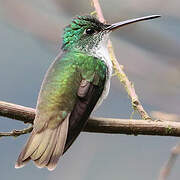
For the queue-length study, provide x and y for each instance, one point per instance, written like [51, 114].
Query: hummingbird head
[88, 33]
[84, 33]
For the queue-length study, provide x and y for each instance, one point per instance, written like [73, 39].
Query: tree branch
[167, 167]
[16, 133]
[149, 128]
[101, 125]
[17, 112]
[119, 71]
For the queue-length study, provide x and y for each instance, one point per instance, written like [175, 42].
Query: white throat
[102, 53]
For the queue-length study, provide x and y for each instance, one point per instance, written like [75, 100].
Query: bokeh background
[30, 38]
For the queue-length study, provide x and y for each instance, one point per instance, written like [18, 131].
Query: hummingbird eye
[90, 31]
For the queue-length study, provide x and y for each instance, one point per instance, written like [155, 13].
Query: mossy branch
[96, 125]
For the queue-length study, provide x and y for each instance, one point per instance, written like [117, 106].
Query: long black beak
[130, 21]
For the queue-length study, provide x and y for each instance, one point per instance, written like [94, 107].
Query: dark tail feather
[44, 148]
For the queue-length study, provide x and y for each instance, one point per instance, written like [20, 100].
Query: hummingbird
[75, 83]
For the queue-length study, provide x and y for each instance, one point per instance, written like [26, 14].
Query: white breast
[102, 53]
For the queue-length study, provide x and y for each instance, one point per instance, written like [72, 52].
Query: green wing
[63, 82]
[70, 90]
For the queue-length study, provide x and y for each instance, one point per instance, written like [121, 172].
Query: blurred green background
[30, 38]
